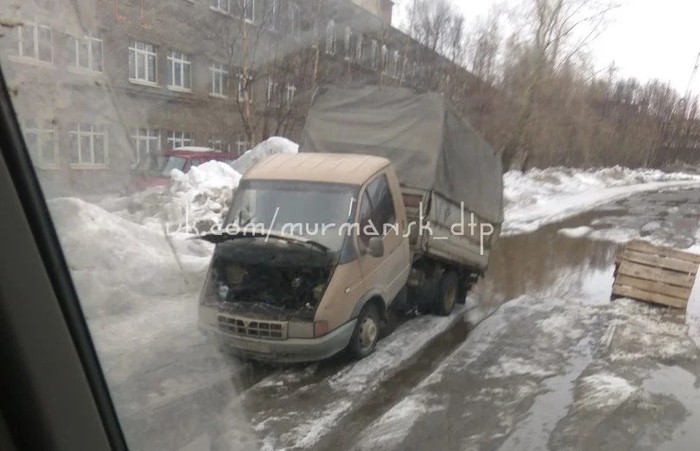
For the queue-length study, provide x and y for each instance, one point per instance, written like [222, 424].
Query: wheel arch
[373, 297]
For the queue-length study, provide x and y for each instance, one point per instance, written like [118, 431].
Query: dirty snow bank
[542, 196]
[115, 262]
[269, 147]
[197, 201]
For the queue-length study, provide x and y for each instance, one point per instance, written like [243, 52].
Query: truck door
[386, 274]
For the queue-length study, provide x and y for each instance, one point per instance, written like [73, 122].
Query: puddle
[533, 432]
[680, 384]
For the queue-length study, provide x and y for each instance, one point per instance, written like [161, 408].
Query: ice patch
[604, 392]
[576, 232]
[619, 235]
[543, 196]
[508, 366]
[397, 423]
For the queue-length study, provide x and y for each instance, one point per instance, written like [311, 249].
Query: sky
[646, 39]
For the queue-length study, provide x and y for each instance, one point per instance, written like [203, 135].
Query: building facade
[100, 83]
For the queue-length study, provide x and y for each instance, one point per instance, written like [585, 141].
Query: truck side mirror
[376, 247]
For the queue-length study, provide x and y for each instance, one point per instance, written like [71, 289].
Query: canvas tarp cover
[430, 146]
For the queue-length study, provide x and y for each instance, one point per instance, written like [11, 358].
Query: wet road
[498, 374]
[562, 367]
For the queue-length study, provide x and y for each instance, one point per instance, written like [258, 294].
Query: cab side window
[365, 217]
[382, 204]
[377, 209]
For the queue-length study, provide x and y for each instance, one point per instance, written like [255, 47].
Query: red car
[154, 169]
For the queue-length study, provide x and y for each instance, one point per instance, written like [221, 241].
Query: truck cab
[311, 256]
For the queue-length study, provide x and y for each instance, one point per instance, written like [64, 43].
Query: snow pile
[538, 184]
[197, 201]
[542, 196]
[200, 198]
[116, 263]
[269, 147]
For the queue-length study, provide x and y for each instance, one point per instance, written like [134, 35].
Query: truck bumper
[291, 350]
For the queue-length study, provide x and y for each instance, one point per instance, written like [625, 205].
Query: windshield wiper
[217, 238]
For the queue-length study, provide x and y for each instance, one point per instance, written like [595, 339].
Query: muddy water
[545, 263]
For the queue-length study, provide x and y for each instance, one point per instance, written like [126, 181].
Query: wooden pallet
[655, 274]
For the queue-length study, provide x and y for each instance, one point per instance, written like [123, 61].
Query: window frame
[134, 52]
[218, 8]
[272, 92]
[218, 71]
[174, 58]
[37, 154]
[36, 48]
[294, 20]
[139, 138]
[243, 144]
[275, 16]
[90, 133]
[290, 93]
[219, 144]
[184, 138]
[242, 87]
[366, 196]
[359, 49]
[89, 39]
[374, 50]
[330, 38]
[244, 15]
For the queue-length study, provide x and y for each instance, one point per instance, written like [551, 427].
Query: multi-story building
[99, 83]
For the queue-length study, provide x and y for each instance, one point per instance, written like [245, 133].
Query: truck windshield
[308, 210]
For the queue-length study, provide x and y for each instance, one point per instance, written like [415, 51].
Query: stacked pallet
[655, 274]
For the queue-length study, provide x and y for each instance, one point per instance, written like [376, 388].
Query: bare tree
[558, 30]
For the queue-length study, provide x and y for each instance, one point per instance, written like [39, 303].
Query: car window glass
[365, 218]
[383, 212]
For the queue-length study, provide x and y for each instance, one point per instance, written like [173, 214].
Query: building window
[396, 64]
[358, 47]
[291, 93]
[222, 6]
[272, 95]
[179, 71]
[42, 144]
[241, 145]
[294, 20]
[385, 59]
[275, 16]
[179, 139]
[35, 41]
[88, 144]
[243, 87]
[146, 140]
[88, 53]
[347, 41]
[142, 62]
[373, 54]
[249, 10]
[219, 80]
[219, 144]
[330, 37]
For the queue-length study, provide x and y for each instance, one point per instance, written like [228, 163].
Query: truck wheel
[447, 294]
[364, 338]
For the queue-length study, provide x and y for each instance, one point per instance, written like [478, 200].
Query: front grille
[274, 330]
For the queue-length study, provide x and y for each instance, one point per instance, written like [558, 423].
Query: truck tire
[364, 338]
[447, 294]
